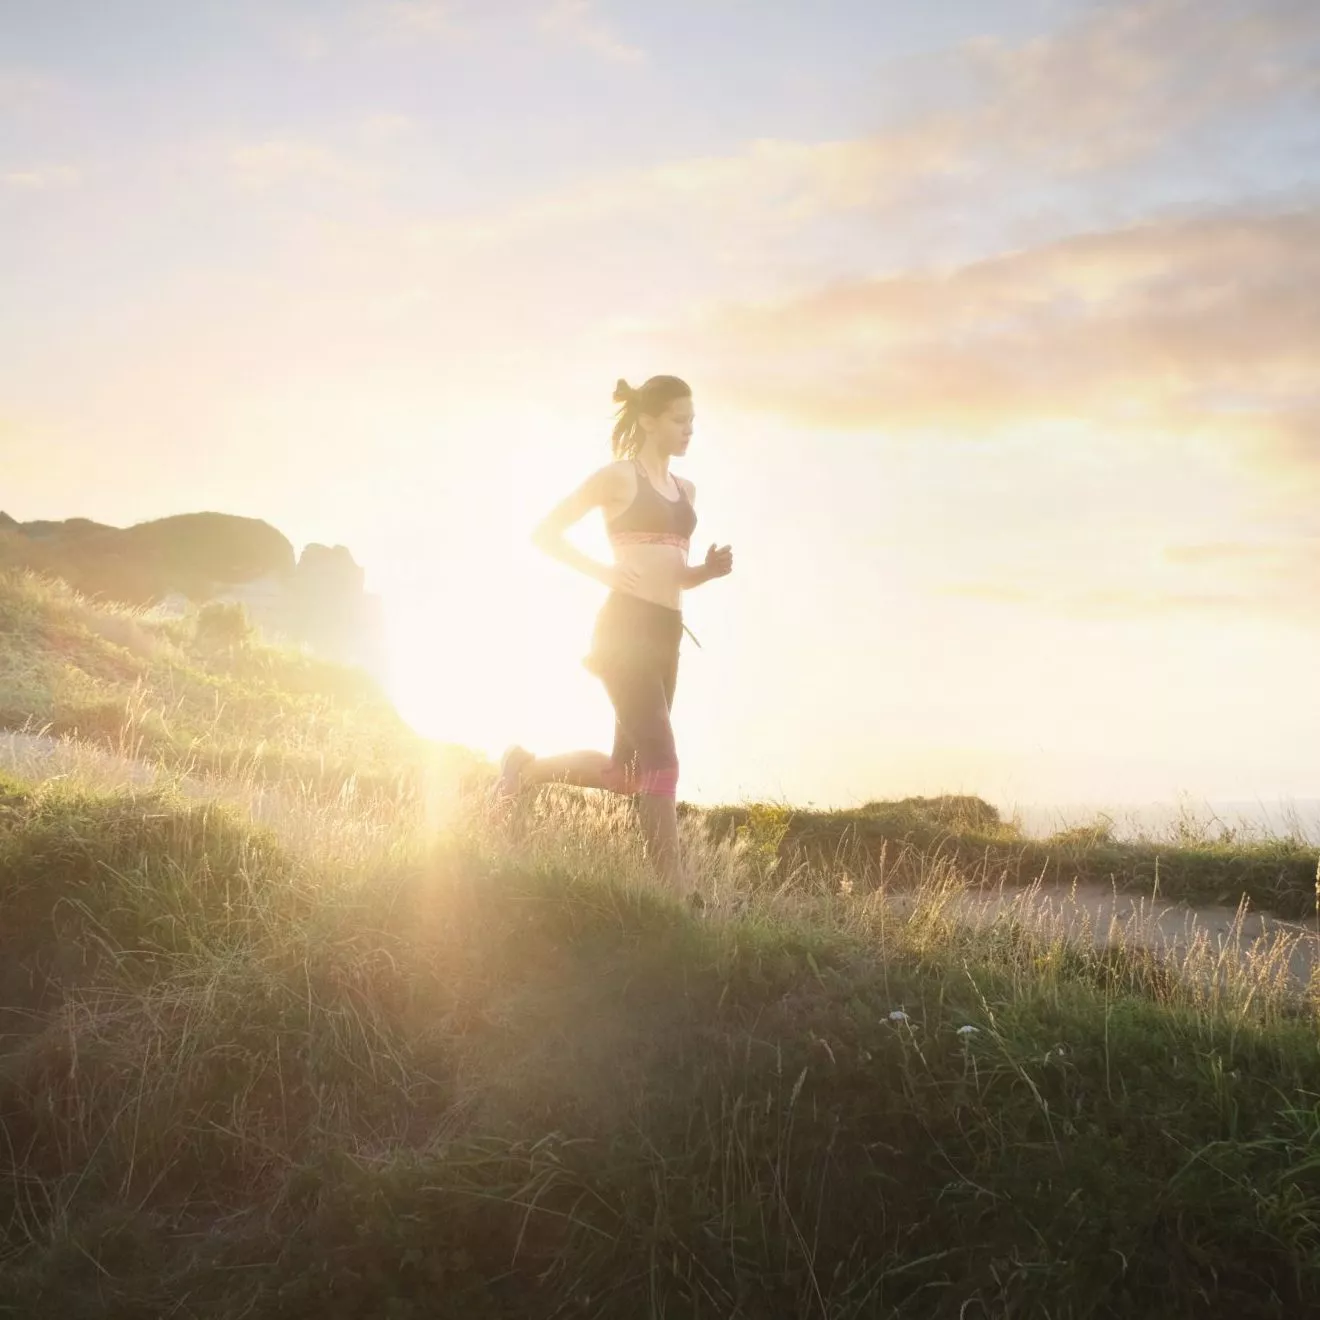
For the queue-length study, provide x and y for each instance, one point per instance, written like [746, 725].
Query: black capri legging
[634, 652]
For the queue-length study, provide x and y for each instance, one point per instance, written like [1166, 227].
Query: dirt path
[1202, 936]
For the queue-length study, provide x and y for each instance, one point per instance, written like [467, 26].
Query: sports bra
[651, 519]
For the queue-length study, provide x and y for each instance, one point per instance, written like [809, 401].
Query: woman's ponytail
[652, 399]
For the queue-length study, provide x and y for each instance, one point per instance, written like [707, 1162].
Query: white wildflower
[899, 1016]
[968, 1030]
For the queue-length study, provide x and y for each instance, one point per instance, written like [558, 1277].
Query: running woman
[650, 515]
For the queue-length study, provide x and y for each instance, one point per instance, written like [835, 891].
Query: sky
[1001, 319]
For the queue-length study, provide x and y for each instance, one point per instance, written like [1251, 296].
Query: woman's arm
[719, 559]
[718, 563]
[601, 489]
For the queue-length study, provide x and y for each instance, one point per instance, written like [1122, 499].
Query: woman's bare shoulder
[613, 479]
[611, 488]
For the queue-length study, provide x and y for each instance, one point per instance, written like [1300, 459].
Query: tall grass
[276, 1044]
[485, 1069]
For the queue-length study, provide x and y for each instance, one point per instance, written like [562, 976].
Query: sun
[486, 636]
[485, 677]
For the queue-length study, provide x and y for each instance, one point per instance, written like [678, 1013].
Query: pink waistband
[649, 538]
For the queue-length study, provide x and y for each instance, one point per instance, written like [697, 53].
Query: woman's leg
[615, 773]
[660, 830]
[659, 810]
[586, 769]
[641, 696]
[581, 769]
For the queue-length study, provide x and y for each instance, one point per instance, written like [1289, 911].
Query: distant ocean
[1263, 818]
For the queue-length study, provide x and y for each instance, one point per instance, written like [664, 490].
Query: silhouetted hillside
[194, 554]
[188, 559]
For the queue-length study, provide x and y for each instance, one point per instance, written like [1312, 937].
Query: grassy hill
[197, 694]
[293, 1025]
[897, 839]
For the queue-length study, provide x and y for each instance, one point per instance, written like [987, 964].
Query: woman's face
[671, 432]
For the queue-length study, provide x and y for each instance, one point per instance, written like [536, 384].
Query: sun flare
[486, 636]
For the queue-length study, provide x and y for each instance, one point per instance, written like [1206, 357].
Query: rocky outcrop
[67, 529]
[321, 603]
[172, 564]
[194, 554]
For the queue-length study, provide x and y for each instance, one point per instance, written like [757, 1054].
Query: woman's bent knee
[620, 778]
[659, 781]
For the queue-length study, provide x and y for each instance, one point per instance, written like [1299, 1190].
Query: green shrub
[223, 625]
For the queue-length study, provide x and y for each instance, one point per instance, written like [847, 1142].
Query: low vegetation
[313, 1032]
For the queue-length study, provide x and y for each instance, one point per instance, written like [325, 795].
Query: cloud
[1274, 578]
[1220, 553]
[1208, 321]
[1124, 79]
[1112, 88]
[1117, 84]
[1114, 602]
[262, 165]
[1289, 565]
[22, 91]
[576, 20]
[384, 127]
[772, 188]
[1142, 387]
[1284, 440]
[428, 18]
[1115, 81]
[40, 178]
[400, 302]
